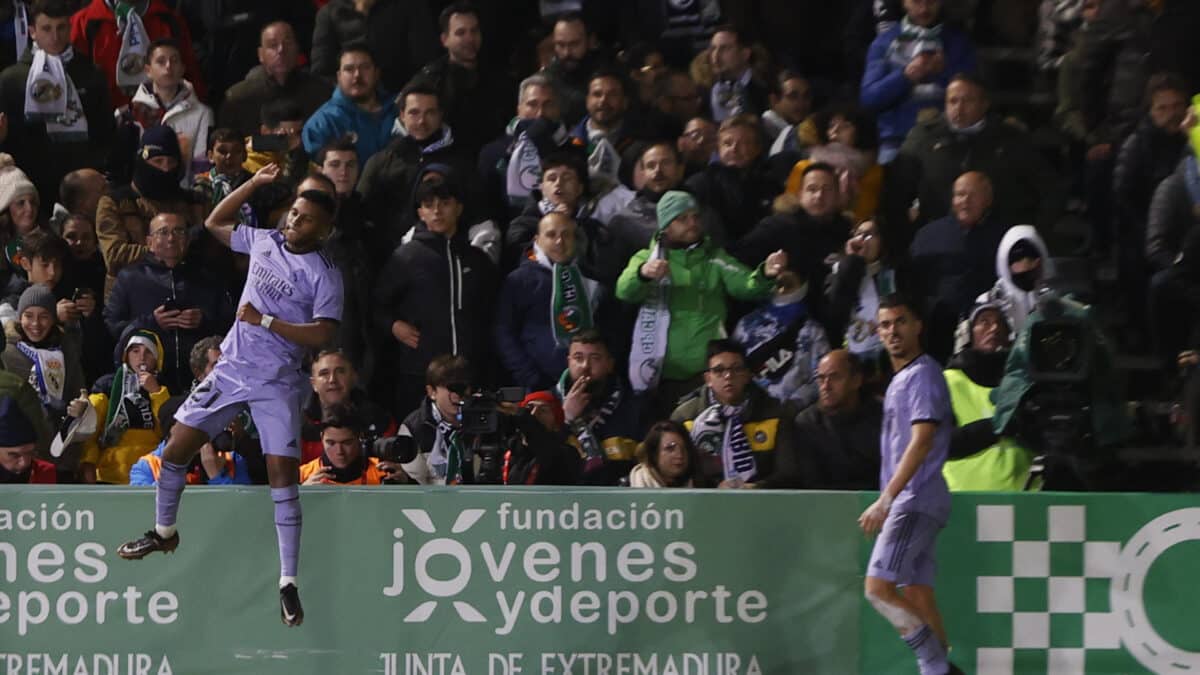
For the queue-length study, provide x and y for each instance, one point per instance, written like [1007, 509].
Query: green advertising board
[585, 582]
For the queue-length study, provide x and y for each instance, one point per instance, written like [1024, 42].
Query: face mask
[155, 184]
[1027, 280]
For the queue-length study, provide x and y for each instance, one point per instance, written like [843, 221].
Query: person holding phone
[169, 295]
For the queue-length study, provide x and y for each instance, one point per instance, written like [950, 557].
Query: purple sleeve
[928, 400]
[328, 295]
[242, 239]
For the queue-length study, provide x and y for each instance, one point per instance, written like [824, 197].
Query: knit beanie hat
[15, 427]
[159, 141]
[13, 182]
[674, 203]
[37, 295]
[144, 338]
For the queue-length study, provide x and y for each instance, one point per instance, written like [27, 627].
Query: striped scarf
[721, 430]
[912, 41]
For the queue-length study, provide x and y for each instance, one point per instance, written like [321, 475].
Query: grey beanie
[38, 295]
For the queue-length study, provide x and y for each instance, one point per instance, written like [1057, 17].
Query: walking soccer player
[292, 303]
[914, 502]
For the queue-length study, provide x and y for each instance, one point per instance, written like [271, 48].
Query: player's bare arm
[313, 335]
[225, 216]
[915, 452]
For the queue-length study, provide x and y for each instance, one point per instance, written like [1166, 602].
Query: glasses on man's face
[727, 371]
[168, 232]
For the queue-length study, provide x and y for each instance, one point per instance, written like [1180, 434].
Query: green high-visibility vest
[1002, 467]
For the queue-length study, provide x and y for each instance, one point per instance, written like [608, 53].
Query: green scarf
[128, 407]
[570, 303]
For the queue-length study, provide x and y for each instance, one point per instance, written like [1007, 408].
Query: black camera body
[485, 432]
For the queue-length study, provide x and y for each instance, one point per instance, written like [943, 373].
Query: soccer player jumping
[292, 303]
[915, 502]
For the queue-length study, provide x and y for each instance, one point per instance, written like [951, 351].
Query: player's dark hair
[724, 346]
[898, 300]
[322, 199]
[198, 357]
[457, 8]
[447, 369]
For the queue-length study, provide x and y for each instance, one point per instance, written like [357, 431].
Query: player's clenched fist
[249, 314]
[871, 520]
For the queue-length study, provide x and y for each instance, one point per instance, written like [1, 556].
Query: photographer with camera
[538, 452]
[429, 444]
[604, 416]
[335, 382]
[344, 460]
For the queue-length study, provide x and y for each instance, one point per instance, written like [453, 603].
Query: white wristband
[266, 321]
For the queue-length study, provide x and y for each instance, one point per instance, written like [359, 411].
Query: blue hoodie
[887, 93]
[339, 115]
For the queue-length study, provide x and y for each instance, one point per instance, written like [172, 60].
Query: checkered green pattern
[1043, 590]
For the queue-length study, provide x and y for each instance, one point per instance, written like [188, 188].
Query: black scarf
[351, 474]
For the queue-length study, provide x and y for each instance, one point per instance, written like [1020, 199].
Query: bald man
[277, 76]
[542, 303]
[955, 259]
[837, 438]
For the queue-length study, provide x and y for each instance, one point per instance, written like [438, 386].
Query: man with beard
[603, 415]
[605, 133]
[358, 106]
[987, 462]
[573, 65]
[735, 90]
[634, 226]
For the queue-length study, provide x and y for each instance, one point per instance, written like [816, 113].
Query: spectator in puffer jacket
[358, 106]
[909, 67]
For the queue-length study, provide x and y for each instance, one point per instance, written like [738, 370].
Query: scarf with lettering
[128, 407]
[570, 299]
[51, 97]
[914, 40]
[48, 375]
[524, 171]
[721, 430]
[20, 28]
[131, 60]
[446, 458]
[586, 427]
[604, 161]
[650, 331]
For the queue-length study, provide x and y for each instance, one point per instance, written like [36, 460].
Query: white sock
[165, 531]
[284, 581]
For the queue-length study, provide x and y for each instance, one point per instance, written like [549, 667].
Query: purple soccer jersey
[298, 288]
[918, 393]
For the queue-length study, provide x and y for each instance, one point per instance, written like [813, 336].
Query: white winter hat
[13, 182]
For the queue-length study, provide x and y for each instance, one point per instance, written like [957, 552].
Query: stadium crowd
[669, 223]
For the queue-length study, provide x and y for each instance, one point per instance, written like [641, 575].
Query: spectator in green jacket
[682, 281]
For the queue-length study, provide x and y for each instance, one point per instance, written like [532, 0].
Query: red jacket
[94, 32]
[44, 473]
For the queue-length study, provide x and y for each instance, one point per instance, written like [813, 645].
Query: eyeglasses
[727, 371]
[168, 232]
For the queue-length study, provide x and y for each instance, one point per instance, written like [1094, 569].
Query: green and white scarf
[650, 331]
[131, 60]
[446, 458]
[914, 40]
[128, 407]
[571, 298]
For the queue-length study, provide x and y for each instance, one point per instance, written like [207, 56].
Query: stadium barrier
[590, 582]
